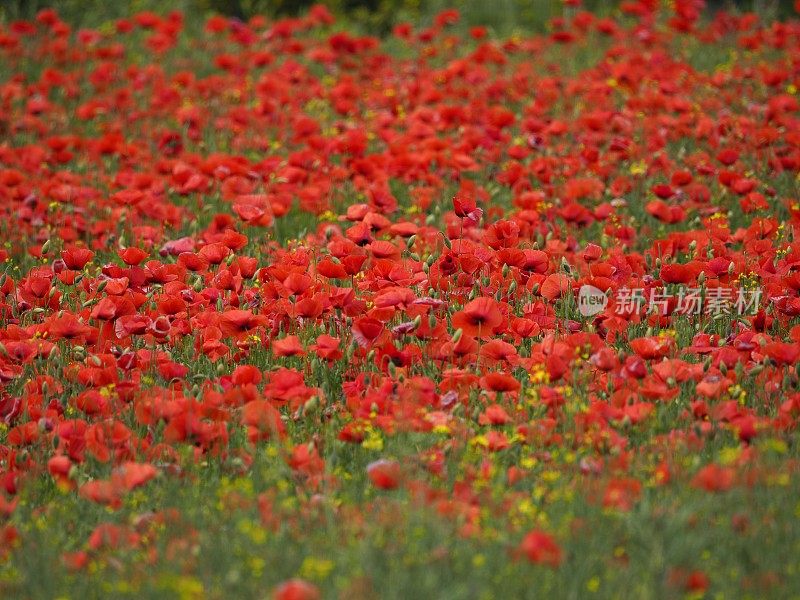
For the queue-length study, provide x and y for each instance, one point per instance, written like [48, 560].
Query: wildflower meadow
[293, 310]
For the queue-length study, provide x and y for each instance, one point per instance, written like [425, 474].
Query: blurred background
[370, 16]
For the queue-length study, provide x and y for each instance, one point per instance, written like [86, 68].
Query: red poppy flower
[384, 474]
[296, 589]
[481, 316]
[541, 548]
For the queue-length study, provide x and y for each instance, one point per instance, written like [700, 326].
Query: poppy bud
[658, 263]
[701, 279]
[723, 368]
[706, 364]
[102, 285]
[3, 350]
[95, 360]
[447, 242]
[51, 293]
[692, 246]
[426, 268]
[457, 335]
[512, 287]
[497, 295]
[410, 242]
[730, 269]
[310, 405]
[45, 247]
[505, 269]
[414, 256]
[417, 321]
[431, 320]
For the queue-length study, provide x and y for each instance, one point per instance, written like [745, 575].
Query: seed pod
[310, 405]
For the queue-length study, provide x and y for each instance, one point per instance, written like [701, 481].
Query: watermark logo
[715, 301]
[591, 300]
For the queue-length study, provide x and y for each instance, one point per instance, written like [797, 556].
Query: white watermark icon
[591, 300]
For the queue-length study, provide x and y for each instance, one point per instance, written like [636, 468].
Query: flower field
[291, 312]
